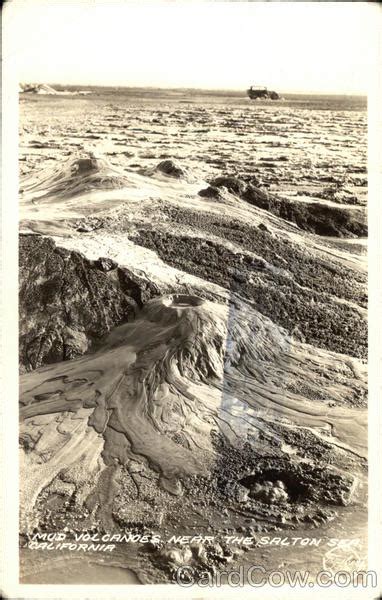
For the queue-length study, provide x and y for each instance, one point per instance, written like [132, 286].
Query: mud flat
[192, 337]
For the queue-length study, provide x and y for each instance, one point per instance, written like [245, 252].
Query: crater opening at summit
[183, 301]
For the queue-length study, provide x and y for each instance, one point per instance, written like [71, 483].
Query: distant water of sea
[312, 101]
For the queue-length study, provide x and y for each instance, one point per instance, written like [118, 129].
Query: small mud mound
[198, 340]
[75, 176]
[232, 184]
[209, 192]
[85, 166]
[170, 168]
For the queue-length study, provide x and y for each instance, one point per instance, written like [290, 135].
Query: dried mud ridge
[315, 217]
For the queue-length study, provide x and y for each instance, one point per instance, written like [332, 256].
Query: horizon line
[202, 89]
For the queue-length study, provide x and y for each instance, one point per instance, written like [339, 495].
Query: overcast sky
[297, 46]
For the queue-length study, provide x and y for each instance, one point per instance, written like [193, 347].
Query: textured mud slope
[316, 217]
[308, 316]
[164, 398]
[207, 374]
[310, 291]
[314, 270]
[67, 301]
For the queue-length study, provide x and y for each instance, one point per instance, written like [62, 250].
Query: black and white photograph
[192, 281]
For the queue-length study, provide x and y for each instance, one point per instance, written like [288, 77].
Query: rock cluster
[67, 301]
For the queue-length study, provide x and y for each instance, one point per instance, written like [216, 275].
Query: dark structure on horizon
[259, 92]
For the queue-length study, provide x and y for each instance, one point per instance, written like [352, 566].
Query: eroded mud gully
[192, 363]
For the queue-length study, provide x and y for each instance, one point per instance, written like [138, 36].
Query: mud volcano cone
[141, 396]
